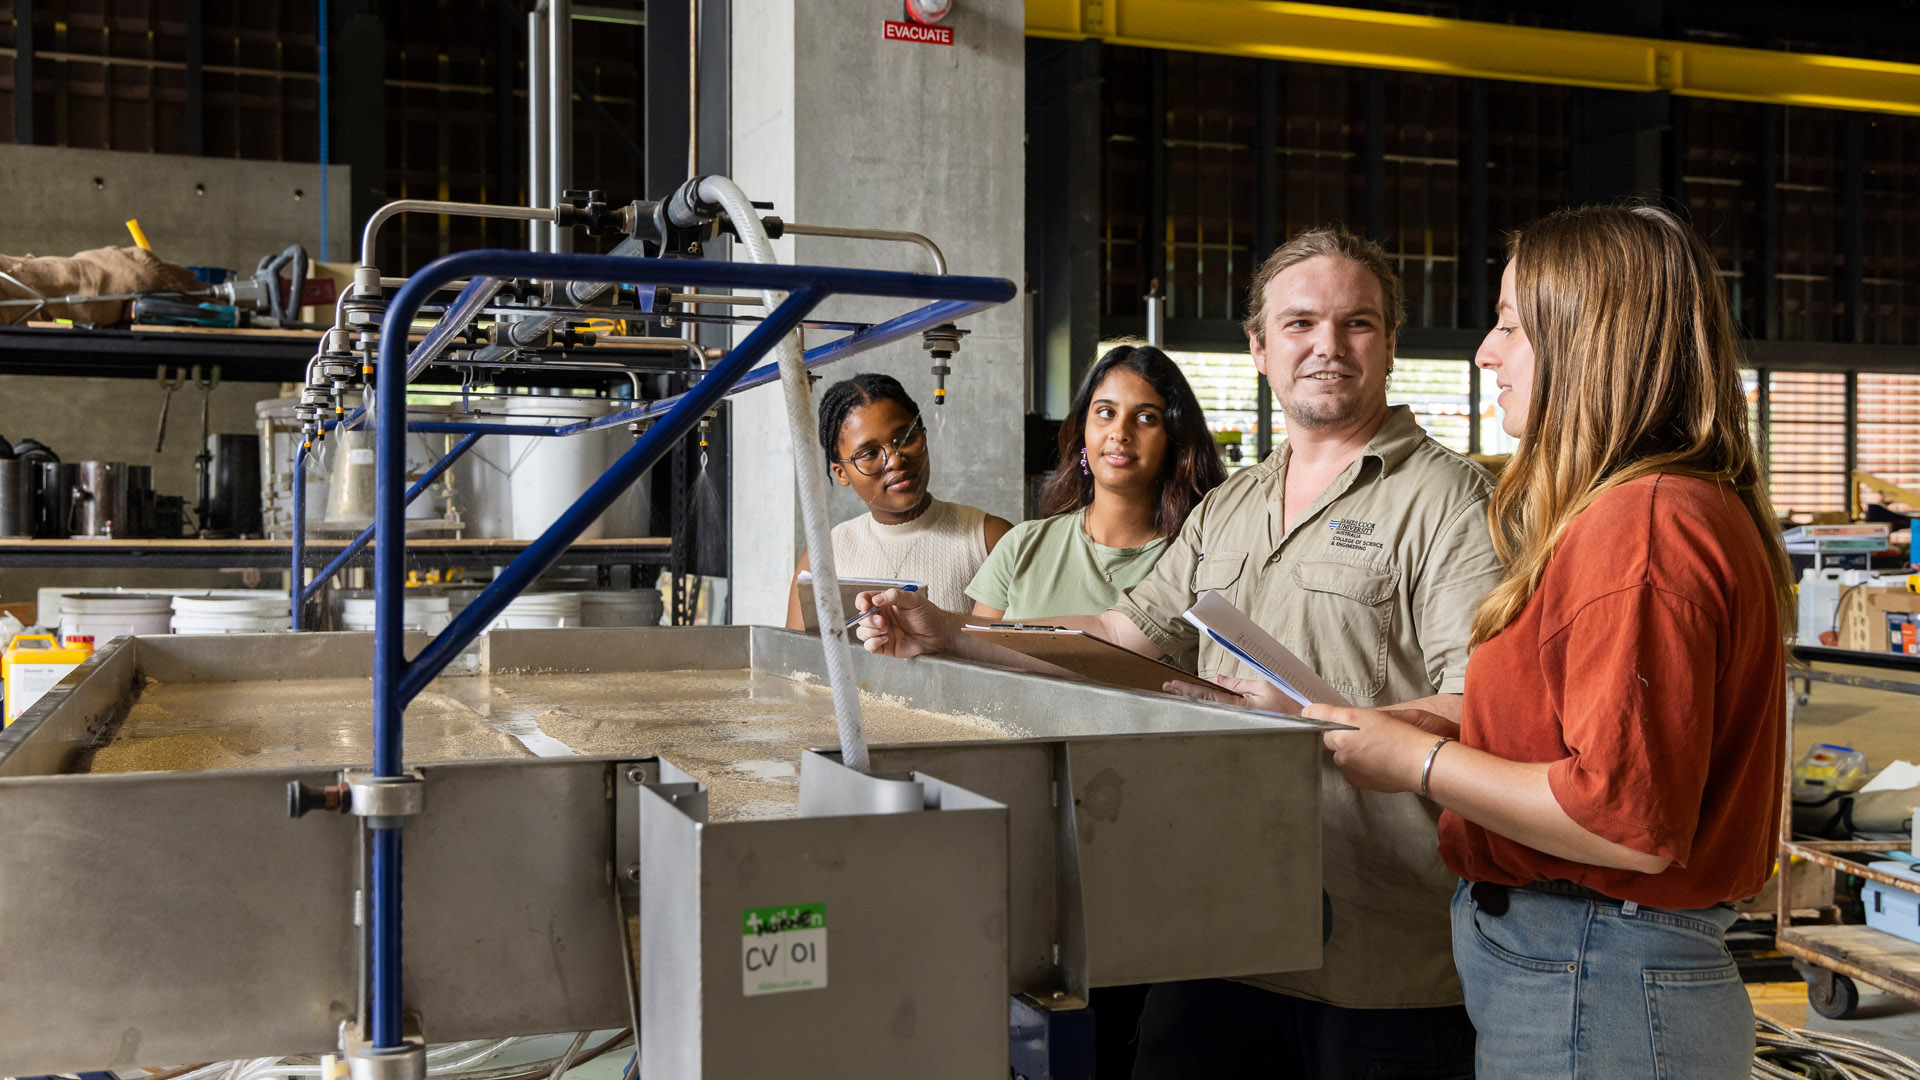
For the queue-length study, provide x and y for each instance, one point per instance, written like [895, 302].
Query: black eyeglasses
[873, 460]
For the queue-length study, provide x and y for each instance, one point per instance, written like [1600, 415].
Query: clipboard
[850, 590]
[1086, 655]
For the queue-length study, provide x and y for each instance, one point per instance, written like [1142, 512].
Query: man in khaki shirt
[1362, 546]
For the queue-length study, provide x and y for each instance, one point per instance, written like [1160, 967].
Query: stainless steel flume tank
[1148, 838]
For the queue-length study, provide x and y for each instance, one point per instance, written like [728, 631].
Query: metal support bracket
[1050, 1039]
[385, 800]
[408, 1061]
[624, 861]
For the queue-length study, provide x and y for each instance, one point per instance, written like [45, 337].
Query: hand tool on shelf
[170, 379]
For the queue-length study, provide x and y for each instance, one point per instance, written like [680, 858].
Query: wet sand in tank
[738, 732]
[303, 722]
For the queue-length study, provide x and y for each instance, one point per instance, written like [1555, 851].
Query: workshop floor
[1886, 727]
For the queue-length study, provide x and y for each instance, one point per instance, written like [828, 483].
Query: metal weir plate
[867, 937]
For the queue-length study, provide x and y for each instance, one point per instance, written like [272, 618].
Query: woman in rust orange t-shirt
[1620, 745]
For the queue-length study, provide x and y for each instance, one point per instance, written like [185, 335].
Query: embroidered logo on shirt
[1349, 533]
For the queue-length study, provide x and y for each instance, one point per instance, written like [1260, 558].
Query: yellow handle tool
[139, 235]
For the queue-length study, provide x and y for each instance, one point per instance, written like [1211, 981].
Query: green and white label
[783, 948]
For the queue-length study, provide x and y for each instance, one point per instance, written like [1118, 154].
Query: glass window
[1227, 386]
[1888, 431]
[1807, 440]
[1437, 392]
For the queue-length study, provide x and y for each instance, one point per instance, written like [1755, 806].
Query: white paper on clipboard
[1215, 616]
[850, 590]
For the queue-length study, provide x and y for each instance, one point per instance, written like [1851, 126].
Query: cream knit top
[943, 547]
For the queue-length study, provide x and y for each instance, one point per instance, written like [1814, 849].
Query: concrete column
[839, 126]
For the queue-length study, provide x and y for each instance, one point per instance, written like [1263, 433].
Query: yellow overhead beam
[1323, 34]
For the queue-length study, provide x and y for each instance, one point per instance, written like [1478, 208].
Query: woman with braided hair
[875, 442]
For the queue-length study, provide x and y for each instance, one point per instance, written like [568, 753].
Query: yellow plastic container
[31, 665]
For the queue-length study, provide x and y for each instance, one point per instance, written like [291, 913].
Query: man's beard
[1323, 411]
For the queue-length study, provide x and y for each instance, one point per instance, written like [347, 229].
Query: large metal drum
[16, 498]
[99, 508]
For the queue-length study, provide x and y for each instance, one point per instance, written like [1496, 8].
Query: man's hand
[1251, 693]
[1385, 751]
[902, 624]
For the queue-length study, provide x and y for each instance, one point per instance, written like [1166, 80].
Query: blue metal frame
[396, 681]
[862, 338]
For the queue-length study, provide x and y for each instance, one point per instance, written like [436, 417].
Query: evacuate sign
[913, 31]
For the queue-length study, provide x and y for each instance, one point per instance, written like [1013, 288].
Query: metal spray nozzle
[941, 343]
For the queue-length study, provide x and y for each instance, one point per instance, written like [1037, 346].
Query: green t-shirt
[1051, 567]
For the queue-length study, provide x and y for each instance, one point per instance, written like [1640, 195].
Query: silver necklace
[1101, 564]
[899, 564]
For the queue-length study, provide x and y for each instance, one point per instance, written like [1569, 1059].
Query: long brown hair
[1192, 466]
[1636, 371]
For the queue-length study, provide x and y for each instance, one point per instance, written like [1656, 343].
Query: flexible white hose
[435, 1053]
[468, 1062]
[811, 474]
[261, 1068]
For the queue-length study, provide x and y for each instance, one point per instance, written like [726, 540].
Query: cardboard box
[1864, 611]
[1812, 888]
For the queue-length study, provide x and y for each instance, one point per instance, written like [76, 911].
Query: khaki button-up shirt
[1374, 587]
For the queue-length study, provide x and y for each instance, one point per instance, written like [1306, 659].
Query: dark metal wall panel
[428, 99]
[1890, 244]
[1809, 220]
[1384, 154]
[1068, 262]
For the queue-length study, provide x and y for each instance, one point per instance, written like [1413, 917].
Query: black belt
[1493, 898]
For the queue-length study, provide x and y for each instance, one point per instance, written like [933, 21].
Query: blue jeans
[1573, 989]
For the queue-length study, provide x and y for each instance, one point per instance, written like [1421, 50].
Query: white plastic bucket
[230, 614]
[620, 607]
[459, 596]
[539, 611]
[228, 624]
[261, 604]
[427, 614]
[101, 616]
[515, 486]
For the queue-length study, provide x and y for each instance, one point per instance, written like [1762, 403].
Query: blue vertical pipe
[389, 520]
[366, 535]
[383, 935]
[325, 152]
[299, 527]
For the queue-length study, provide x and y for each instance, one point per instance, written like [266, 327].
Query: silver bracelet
[1426, 771]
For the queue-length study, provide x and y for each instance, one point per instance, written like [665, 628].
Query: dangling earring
[1083, 462]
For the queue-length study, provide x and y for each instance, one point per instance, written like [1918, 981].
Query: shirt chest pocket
[1346, 610]
[1219, 571]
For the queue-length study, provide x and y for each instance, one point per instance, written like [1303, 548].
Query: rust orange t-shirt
[1648, 669]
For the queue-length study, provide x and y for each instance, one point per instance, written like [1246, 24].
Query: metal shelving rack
[1834, 958]
[434, 553]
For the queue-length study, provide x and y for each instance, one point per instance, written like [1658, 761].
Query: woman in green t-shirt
[1135, 458]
